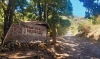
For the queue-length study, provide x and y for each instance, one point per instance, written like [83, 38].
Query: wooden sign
[26, 33]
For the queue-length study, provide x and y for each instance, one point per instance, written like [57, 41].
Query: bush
[83, 29]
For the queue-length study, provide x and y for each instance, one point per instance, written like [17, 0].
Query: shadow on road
[80, 48]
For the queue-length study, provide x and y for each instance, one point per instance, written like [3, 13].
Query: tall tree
[8, 14]
[9, 7]
[56, 9]
[39, 7]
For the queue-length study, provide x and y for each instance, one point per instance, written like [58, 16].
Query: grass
[93, 27]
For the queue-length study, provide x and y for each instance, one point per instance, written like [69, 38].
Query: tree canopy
[9, 7]
[49, 11]
[92, 7]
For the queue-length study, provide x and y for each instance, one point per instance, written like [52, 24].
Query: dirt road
[80, 48]
[71, 47]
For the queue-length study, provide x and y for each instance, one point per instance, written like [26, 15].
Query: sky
[78, 9]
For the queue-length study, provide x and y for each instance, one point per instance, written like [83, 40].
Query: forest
[59, 17]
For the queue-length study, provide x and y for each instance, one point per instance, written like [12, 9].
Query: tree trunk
[45, 12]
[40, 11]
[54, 33]
[8, 16]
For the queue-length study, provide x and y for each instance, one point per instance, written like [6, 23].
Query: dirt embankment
[94, 34]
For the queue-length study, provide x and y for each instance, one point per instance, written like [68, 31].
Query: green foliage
[74, 29]
[95, 20]
[61, 24]
[30, 11]
[57, 9]
[83, 29]
[1, 26]
[63, 27]
[1, 20]
[80, 27]
[61, 31]
[92, 6]
[65, 23]
[18, 17]
[20, 5]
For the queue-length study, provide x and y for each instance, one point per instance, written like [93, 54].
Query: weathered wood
[26, 32]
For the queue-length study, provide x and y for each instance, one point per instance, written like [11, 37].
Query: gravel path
[80, 48]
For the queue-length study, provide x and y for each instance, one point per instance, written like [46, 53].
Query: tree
[92, 6]
[50, 11]
[1, 20]
[31, 11]
[9, 7]
[41, 9]
[8, 14]
[39, 6]
[62, 28]
[56, 9]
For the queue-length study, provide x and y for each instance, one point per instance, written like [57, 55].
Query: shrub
[83, 29]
